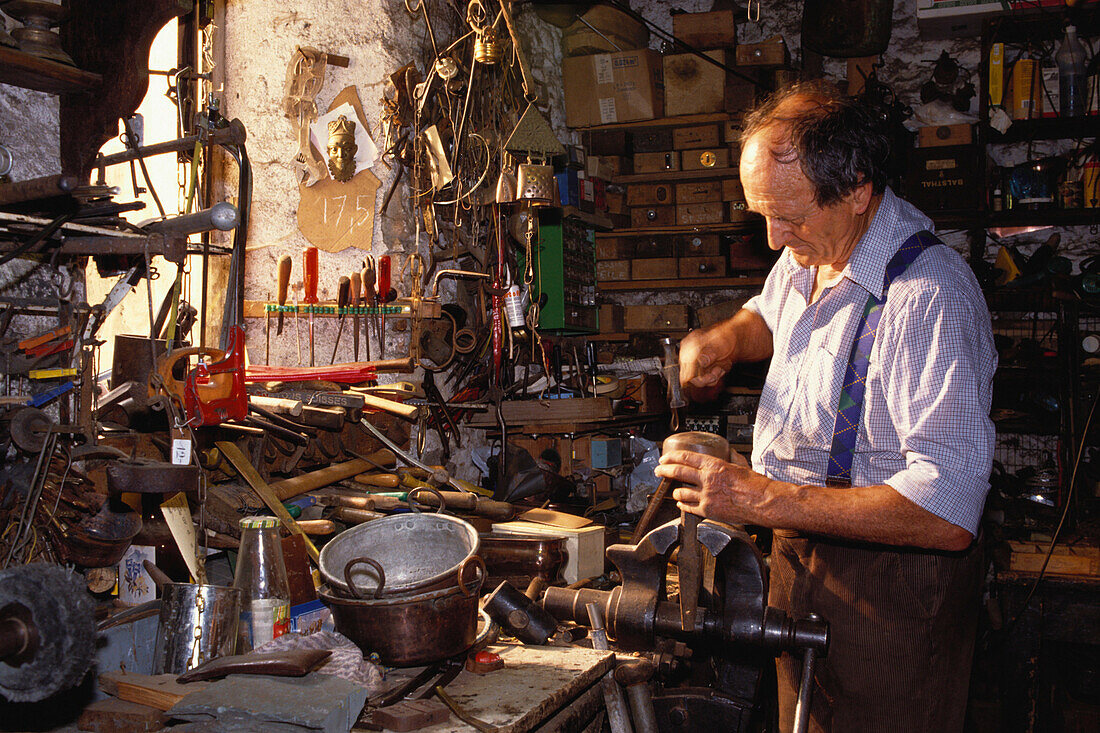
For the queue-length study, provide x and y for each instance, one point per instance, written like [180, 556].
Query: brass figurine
[341, 148]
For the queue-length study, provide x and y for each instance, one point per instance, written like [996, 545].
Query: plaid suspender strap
[850, 409]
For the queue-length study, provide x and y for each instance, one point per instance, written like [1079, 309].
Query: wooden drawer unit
[712, 212]
[705, 159]
[739, 212]
[698, 192]
[714, 29]
[656, 318]
[655, 246]
[653, 141]
[657, 268]
[771, 52]
[731, 131]
[668, 160]
[703, 136]
[700, 245]
[732, 189]
[713, 266]
[653, 216]
[606, 142]
[649, 194]
[612, 270]
[614, 248]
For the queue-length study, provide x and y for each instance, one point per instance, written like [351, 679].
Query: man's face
[341, 157]
[785, 197]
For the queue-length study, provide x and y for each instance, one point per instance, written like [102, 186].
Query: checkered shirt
[925, 429]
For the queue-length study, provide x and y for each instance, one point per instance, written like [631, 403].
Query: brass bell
[535, 182]
[487, 48]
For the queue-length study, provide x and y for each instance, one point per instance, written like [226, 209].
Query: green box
[565, 270]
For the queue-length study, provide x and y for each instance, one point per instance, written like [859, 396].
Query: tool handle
[356, 286]
[368, 282]
[283, 275]
[383, 278]
[343, 291]
[309, 275]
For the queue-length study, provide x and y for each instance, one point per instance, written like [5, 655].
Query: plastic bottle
[1072, 90]
[261, 575]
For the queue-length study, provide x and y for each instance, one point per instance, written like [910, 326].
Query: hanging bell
[506, 187]
[487, 48]
[446, 68]
[535, 182]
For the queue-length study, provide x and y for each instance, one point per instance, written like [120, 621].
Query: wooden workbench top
[536, 681]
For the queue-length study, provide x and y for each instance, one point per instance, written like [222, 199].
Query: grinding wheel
[29, 427]
[50, 605]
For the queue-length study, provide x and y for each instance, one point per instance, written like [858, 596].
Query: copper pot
[519, 559]
[409, 631]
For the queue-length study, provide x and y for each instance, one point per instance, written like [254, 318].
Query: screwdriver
[382, 294]
[353, 300]
[343, 295]
[267, 331]
[309, 282]
[283, 279]
[368, 298]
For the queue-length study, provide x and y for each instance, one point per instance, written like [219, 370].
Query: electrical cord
[1061, 520]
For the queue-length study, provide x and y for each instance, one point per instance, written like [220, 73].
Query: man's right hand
[705, 357]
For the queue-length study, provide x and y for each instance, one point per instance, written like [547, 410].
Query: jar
[261, 576]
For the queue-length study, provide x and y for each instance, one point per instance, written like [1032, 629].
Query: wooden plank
[119, 716]
[578, 409]
[690, 229]
[32, 72]
[697, 283]
[159, 691]
[535, 683]
[693, 175]
[665, 121]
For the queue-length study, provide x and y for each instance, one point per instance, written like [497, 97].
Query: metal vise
[733, 612]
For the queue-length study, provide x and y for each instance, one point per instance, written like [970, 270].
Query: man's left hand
[717, 489]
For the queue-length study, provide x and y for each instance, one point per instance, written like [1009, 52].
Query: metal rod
[618, 716]
[805, 692]
[232, 135]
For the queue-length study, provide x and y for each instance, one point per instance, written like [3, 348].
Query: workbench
[541, 688]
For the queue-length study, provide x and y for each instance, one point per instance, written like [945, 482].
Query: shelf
[31, 72]
[627, 335]
[1047, 128]
[1015, 218]
[697, 283]
[676, 176]
[597, 221]
[664, 122]
[684, 229]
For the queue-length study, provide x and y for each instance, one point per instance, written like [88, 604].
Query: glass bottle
[261, 575]
[1072, 90]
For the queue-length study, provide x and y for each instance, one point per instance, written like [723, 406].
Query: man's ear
[860, 197]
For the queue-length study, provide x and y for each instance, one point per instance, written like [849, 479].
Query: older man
[873, 446]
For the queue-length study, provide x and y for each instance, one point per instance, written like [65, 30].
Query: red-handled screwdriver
[382, 296]
[309, 283]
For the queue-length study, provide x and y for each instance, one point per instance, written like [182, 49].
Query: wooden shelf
[665, 122]
[676, 175]
[1015, 218]
[627, 335]
[31, 72]
[696, 283]
[728, 226]
[597, 221]
[1048, 128]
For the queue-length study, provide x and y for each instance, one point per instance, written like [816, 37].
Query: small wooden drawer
[658, 268]
[732, 190]
[612, 270]
[705, 159]
[700, 245]
[650, 247]
[703, 136]
[668, 160]
[698, 192]
[714, 266]
[656, 318]
[614, 248]
[652, 141]
[653, 216]
[712, 212]
[649, 194]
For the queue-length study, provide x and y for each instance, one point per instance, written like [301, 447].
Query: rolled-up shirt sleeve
[938, 362]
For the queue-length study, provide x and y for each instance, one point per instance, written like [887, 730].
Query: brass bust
[341, 148]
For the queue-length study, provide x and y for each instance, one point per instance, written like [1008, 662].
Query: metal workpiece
[519, 615]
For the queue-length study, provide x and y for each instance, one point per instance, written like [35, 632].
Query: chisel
[367, 275]
[309, 283]
[343, 296]
[353, 301]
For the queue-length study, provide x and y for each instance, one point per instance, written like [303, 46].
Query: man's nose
[777, 235]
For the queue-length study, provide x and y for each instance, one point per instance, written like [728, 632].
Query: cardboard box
[700, 136]
[944, 179]
[770, 52]
[713, 266]
[705, 159]
[649, 194]
[716, 29]
[612, 87]
[583, 546]
[656, 162]
[663, 318]
[694, 86]
[698, 192]
[939, 135]
[655, 268]
[653, 216]
[710, 212]
[612, 271]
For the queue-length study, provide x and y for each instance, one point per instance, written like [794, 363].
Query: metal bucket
[410, 630]
[418, 552]
[197, 623]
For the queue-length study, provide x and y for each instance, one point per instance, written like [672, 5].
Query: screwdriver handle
[309, 275]
[383, 278]
[368, 281]
[283, 275]
[343, 291]
[356, 285]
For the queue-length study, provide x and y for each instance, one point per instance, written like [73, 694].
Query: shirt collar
[867, 265]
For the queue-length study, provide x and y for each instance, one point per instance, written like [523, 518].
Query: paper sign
[181, 451]
[178, 517]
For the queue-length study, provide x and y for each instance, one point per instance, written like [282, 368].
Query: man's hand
[718, 489]
[705, 357]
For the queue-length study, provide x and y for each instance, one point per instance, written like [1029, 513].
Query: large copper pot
[409, 630]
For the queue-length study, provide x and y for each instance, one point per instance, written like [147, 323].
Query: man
[884, 550]
[341, 148]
